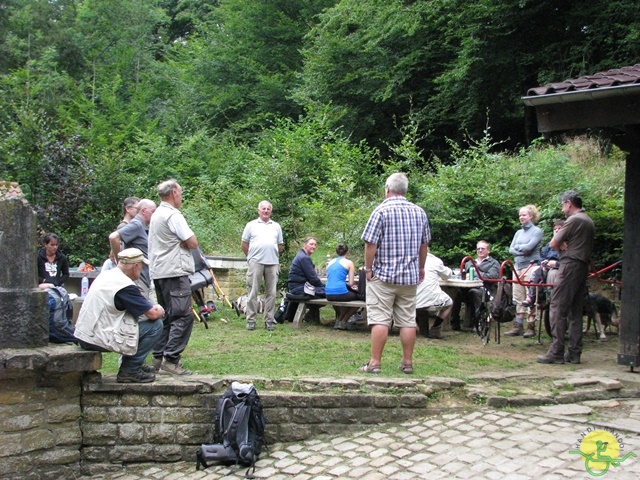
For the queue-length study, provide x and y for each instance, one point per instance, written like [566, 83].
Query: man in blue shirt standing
[396, 240]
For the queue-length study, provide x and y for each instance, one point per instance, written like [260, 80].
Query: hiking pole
[216, 285]
[219, 290]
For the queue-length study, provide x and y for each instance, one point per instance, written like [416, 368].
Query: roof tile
[611, 78]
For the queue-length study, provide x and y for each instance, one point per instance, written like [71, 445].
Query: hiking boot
[137, 377]
[270, 326]
[455, 325]
[575, 359]
[157, 363]
[529, 302]
[531, 330]
[435, 333]
[516, 331]
[148, 369]
[340, 326]
[550, 358]
[251, 325]
[175, 368]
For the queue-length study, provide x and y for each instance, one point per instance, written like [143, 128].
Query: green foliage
[309, 104]
[479, 196]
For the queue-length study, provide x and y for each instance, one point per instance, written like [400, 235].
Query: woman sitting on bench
[341, 286]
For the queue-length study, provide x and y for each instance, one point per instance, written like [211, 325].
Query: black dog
[602, 311]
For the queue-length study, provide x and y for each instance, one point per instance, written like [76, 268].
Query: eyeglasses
[481, 248]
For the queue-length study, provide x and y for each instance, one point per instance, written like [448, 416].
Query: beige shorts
[389, 304]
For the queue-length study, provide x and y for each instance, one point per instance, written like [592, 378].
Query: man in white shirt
[262, 243]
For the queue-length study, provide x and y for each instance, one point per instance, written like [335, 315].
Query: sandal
[408, 369]
[366, 368]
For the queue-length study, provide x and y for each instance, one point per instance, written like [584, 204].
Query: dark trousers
[472, 298]
[567, 301]
[174, 294]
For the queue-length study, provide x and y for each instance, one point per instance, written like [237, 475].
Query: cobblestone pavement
[527, 443]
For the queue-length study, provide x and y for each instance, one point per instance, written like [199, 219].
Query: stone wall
[59, 418]
[40, 411]
[167, 420]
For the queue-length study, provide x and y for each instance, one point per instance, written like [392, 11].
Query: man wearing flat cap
[108, 319]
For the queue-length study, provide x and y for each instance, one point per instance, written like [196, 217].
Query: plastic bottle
[84, 287]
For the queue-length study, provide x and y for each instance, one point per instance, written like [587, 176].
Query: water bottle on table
[84, 287]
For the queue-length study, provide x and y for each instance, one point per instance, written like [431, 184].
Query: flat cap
[132, 255]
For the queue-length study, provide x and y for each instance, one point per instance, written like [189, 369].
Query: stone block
[24, 317]
[160, 433]
[100, 434]
[63, 413]
[94, 454]
[11, 467]
[38, 439]
[134, 400]
[121, 414]
[148, 414]
[10, 444]
[194, 433]
[168, 453]
[131, 433]
[413, 401]
[100, 400]
[95, 414]
[8, 397]
[68, 434]
[16, 423]
[292, 432]
[165, 400]
[176, 415]
[131, 453]
[58, 456]
[277, 415]
[385, 401]
[326, 401]
[201, 415]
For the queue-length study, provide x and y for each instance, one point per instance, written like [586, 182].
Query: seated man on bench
[488, 268]
[304, 282]
[430, 297]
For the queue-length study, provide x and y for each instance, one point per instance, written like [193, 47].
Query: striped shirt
[398, 228]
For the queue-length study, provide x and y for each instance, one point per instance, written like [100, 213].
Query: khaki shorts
[389, 304]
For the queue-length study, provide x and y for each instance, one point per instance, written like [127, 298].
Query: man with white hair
[108, 318]
[396, 240]
[171, 262]
[262, 243]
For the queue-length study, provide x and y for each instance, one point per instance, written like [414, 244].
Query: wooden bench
[322, 302]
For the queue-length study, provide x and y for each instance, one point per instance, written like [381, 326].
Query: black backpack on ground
[502, 308]
[238, 435]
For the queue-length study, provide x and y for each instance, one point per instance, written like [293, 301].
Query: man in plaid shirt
[396, 240]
